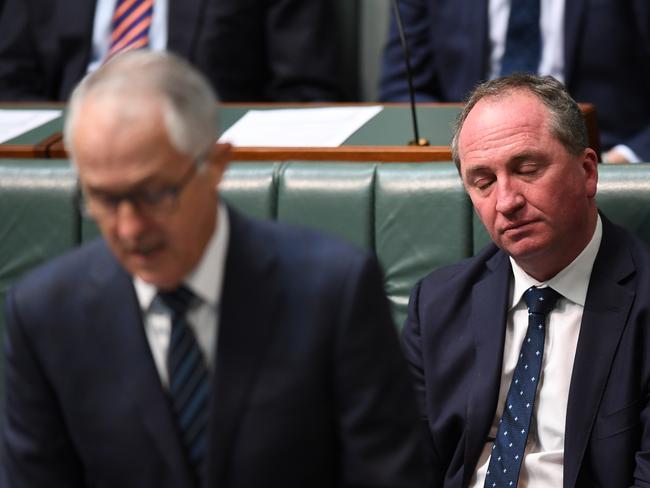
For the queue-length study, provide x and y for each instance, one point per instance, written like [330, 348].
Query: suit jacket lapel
[119, 329]
[248, 304]
[488, 319]
[574, 13]
[184, 26]
[603, 321]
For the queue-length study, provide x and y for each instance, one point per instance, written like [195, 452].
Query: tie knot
[178, 300]
[540, 300]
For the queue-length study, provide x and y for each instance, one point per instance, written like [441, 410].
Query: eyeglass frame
[145, 202]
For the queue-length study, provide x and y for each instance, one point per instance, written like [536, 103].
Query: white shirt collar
[572, 282]
[206, 280]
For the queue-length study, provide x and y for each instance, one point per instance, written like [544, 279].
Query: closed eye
[153, 197]
[482, 183]
[528, 169]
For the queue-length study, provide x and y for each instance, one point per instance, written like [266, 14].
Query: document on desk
[16, 122]
[299, 127]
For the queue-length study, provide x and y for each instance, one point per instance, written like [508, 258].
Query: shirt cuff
[626, 152]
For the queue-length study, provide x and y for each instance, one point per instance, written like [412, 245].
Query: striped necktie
[130, 25]
[188, 377]
[523, 39]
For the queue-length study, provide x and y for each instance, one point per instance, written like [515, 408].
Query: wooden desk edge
[40, 150]
[342, 153]
[52, 147]
[15, 151]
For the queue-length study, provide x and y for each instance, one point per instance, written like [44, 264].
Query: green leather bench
[39, 215]
[415, 217]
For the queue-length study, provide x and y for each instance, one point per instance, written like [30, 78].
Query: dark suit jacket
[454, 338]
[251, 50]
[310, 387]
[606, 51]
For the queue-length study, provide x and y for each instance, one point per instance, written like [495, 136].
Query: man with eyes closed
[531, 359]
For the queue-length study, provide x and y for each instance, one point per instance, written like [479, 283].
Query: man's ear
[590, 167]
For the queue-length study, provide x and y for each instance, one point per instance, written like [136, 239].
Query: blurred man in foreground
[191, 346]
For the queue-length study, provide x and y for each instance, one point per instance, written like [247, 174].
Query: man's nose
[509, 196]
[129, 221]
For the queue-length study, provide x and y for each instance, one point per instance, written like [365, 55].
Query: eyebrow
[137, 187]
[525, 156]
[514, 160]
[478, 170]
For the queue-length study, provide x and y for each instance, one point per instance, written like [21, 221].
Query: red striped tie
[130, 25]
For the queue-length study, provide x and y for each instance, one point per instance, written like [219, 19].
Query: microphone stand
[418, 141]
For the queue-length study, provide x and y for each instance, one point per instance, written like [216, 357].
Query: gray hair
[188, 103]
[566, 122]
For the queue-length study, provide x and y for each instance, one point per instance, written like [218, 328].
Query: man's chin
[141, 260]
[159, 279]
[147, 266]
[520, 240]
[523, 249]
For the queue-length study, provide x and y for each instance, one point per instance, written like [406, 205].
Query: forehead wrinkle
[495, 142]
[491, 129]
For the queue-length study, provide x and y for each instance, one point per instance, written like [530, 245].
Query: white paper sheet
[16, 122]
[301, 127]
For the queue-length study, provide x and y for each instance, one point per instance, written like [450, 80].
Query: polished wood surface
[384, 138]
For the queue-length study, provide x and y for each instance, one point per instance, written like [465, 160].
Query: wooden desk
[383, 138]
[34, 143]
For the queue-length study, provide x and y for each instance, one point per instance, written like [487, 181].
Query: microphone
[417, 141]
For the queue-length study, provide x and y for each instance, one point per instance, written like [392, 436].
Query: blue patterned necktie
[188, 377]
[510, 443]
[523, 39]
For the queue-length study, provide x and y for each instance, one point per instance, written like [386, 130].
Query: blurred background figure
[250, 50]
[600, 49]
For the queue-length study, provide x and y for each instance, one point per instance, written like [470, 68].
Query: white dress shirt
[102, 30]
[206, 281]
[542, 466]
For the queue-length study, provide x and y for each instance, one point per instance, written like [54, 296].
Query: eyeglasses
[156, 202]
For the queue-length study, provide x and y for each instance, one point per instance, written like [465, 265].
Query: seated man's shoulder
[465, 272]
[617, 238]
